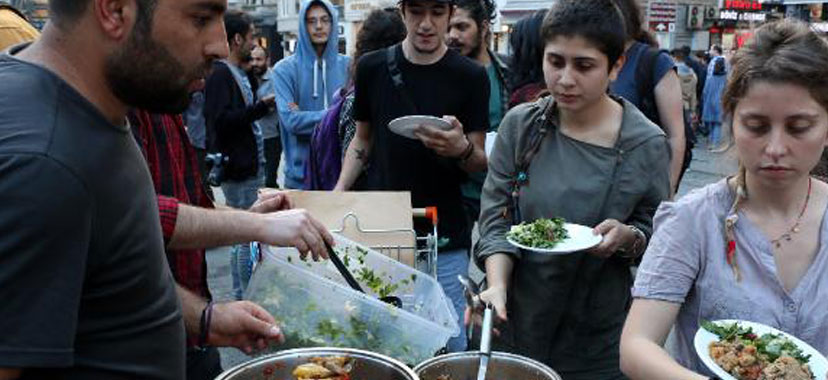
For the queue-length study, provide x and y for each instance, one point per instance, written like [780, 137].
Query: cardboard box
[381, 220]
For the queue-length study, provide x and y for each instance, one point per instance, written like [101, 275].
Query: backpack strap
[538, 131]
[396, 76]
[645, 84]
[644, 71]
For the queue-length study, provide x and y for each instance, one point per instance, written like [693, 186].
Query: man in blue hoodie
[305, 84]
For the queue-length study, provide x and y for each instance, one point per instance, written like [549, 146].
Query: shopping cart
[424, 248]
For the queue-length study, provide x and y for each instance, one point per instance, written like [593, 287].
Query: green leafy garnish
[379, 286]
[772, 346]
[330, 329]
[542, 233]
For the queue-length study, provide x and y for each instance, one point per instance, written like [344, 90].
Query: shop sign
[663, 27]
[742, 16]
[743, 5]
[662, 12]
[356, 10]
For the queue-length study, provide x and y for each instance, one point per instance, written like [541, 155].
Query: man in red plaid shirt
[191, 223]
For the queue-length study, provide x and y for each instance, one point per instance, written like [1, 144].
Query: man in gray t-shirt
[269, 124]
[85, 286]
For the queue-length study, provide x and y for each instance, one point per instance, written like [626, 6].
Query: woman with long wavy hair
[752, 246]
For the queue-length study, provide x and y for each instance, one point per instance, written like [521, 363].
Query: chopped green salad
[772, 346]
[542, 233]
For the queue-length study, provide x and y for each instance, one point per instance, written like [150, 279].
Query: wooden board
[374, 211]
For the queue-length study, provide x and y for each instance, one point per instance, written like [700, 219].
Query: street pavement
[706, 168]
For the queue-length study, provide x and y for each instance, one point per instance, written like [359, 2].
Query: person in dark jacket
[230, 110]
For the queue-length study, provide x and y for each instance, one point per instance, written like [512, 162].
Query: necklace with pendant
[787, 236]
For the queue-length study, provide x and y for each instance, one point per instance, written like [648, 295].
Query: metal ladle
[485, 343]
[472, 291]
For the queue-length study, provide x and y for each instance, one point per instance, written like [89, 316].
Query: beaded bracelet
[467, 153]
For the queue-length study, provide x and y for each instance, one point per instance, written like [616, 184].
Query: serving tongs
[349, 278]
[472, 292]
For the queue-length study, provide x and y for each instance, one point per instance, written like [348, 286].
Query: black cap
[449, 2]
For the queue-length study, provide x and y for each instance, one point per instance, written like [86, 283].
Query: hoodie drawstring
[325, 83]
[315, 78]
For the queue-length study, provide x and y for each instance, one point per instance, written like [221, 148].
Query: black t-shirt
[454, 85]
[85, 288]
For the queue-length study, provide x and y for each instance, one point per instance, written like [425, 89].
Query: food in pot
[542, 233]
[328, 368]
[747, 356]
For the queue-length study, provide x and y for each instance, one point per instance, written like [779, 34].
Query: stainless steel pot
[280, 366]
[502, 366]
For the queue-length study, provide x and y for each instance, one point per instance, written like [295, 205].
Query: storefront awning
[525, 5]
[794, 2]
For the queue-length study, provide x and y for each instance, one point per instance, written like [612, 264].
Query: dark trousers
[203, 365]
[272, 153]
[202, 167]
[472, 210]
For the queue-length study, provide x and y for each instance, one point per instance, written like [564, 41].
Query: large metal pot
[280, 366]
[502, 366]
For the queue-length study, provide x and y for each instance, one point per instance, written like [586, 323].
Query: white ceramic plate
[491, 137]
[818, 363]
[405, 126]
[580, 238]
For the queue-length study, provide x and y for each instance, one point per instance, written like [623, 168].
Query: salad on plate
[542, 233]
[747, 355]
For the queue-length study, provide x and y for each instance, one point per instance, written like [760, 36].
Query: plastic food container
[315, 307]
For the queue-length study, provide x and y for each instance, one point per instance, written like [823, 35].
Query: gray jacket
[567, 311]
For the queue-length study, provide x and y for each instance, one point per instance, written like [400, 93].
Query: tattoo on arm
[360, 155]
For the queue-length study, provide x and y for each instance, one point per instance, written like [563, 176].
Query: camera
[216, 162]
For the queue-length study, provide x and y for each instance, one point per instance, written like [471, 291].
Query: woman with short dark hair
[586, 156]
